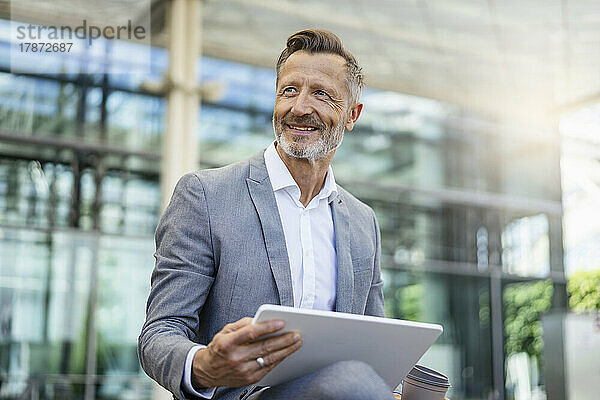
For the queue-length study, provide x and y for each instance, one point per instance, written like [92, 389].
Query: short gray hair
[324, 41]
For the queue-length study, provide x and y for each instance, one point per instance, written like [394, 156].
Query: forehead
[324, 66]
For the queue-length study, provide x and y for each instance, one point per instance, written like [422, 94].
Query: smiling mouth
[302, 129]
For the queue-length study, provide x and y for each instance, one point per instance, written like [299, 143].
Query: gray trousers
[345, 380]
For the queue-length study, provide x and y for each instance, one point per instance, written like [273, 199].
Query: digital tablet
[391, 346]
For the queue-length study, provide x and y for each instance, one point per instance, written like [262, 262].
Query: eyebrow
[317, 84]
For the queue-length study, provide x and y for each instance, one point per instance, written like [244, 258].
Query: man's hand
[230, 358]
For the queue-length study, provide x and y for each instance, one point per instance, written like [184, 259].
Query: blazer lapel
[264, 201]
[345, 275]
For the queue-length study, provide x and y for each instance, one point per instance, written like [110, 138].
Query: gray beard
[329, 141]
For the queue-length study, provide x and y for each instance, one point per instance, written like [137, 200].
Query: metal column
[497, 333]
[180, 146]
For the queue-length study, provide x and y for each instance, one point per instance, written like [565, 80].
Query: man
[273, 229]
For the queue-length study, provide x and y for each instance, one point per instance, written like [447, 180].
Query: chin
[303, 146]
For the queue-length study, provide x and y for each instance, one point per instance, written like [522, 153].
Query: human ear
[353, 115]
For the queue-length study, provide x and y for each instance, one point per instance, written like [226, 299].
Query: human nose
[301, 105]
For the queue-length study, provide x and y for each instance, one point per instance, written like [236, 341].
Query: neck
[308, 174]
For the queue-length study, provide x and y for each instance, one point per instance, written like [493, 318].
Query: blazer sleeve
[375, 304]
[181, 280]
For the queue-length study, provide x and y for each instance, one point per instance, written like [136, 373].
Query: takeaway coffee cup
[423, 383]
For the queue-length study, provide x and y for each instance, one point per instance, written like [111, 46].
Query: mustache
[303, 120]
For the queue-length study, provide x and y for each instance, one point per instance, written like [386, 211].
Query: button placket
[308, 262]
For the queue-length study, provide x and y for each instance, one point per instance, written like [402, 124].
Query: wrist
[199, 378]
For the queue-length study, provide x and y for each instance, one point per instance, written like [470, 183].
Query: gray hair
[324, 41]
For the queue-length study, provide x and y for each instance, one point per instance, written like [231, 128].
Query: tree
[524, 303]
[584, 291]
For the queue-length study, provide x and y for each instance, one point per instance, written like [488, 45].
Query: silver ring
[261, 362]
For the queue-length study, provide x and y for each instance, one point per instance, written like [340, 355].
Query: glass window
[462, 305]
[45, 289]
[135, 121]
[526, 246]
[37, 107]
[123, 287]
[524, 304]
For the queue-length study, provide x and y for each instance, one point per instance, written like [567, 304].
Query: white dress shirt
[310, 242]
[309, 235]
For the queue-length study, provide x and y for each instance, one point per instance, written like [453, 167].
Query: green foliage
[523, 305]
[584, 291]
[410, 302]
[404, 302]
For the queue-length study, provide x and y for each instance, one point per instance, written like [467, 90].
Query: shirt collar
[281, 177]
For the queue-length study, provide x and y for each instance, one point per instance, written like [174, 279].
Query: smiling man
[274, 229]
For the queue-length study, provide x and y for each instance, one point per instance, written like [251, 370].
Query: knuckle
[232, 364]
[217, 338]
[234, 359]
[252, 335]
[214, 347]
[270, 360]
[227, 329]
[266, 347]
[220, 347]
[226, 345]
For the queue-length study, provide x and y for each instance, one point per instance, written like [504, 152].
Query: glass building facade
[469, 209]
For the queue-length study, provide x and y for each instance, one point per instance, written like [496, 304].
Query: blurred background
[478, 148]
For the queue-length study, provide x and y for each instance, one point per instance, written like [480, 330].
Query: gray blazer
[221, 253]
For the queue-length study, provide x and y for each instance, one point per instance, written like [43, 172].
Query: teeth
[301, 128]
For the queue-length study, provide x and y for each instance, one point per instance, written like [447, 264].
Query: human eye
[288, 90]
[321, 93]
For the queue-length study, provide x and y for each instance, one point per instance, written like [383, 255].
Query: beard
[328, 140]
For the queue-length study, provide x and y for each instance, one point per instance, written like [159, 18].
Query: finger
[273, 359]
[267, 346]
[254, 331]
[240, 323]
